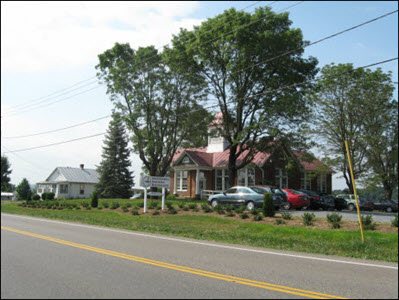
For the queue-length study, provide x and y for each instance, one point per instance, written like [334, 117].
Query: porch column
[175, 184]
[197, 190]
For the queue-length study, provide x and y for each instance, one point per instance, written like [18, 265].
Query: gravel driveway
[349, 215]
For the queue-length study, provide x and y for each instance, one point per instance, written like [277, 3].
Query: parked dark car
[279, 198]
[237, 196]
[331, 202]
[315, 202]
[385, 205]
[363, 203]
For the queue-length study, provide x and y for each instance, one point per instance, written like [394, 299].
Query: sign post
[154, 181]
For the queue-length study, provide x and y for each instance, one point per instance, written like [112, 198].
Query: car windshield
[296, 192]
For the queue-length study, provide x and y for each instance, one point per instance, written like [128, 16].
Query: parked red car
[297, 199]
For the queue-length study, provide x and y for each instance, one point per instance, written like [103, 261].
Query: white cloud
[38, 36]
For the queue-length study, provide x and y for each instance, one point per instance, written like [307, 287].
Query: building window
[82, 189]
[219, 180]
[226, 180]
[241, 176]
[251, 177]
[63, 189]
[181, 180]
[306, 181]
[281, 178]
[246, 177]
[322, 183]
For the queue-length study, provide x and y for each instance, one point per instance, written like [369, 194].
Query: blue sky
[51, 46]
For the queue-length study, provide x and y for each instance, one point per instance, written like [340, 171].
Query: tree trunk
[232, 168]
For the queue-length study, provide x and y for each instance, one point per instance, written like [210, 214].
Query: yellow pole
[354, 189]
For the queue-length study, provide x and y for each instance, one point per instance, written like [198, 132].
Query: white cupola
[216, 143]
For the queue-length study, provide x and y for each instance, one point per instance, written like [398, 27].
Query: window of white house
[322, 183]
[281, 178]
[181, 180]
[63, 189]
[82, 189]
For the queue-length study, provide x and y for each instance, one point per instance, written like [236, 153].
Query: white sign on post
[155, 181]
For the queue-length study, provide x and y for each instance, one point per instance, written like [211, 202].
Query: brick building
[196, 172]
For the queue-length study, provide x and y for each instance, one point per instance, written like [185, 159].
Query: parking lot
[349, 215]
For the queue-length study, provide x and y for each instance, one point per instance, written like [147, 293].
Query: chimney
[82, 166]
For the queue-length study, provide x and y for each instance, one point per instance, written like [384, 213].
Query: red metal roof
[311, 166]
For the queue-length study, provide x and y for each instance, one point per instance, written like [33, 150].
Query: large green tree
[23, 190]
[5, 174]
[239, 56]
[116, 180]
[356, 105]
[159, 103]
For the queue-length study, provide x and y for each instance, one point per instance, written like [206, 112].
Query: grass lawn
[211, 226]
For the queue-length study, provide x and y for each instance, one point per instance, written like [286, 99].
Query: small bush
[181, 204]
[155, 213]
[230, 214]
[395, 222]
[244, 216]
[77, 207]
[308, 218]
[106, 204]
[44, 196]
[170, 197]
[206, 208]
[94, 199]
[85, 204]
[280, 221]
[240, 209]
[255, 211]
[129, 205]
[135, 212]
[172, 211]
[125, 209]
[229, 208]
[368, 223]
[219, 209]
[115, 205]
[35, 197]
[100, 207]
[185, 208]
[192, 206]
[268, 206]
[152, 205]
[286, 216]
[50, 196]
[335, 220]
[140, 204]
[168, 204]
[258, 217]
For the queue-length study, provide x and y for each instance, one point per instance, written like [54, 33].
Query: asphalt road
[43, 258]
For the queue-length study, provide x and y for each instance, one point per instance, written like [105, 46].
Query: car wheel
[250, 205]
[351, 207]
[214, 203]
[389, 209]
[287, 206]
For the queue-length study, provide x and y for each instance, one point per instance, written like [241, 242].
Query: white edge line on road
[204, 244]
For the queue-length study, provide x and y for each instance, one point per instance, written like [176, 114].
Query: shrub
[181, 204]
[192, 206]
[308, 218]
[152, 205]
[155, 213]
[94, 199]
[85, 204]
[268, 206]
[255, 211]
[258, 217]
[286, 216]
[219, 209]
[115, 205]
[206, 208]
[135, 212]
[125, 209]
[335, 220]
[129, 205]
[240, 209]
[168, 204]
[229, 208]
[395, 222]
[35, 197]
[170, 197]
[185, 208]
[279, 221]
[100, 207]
[140, 204]
[172, 211]
[44, 196]
[368, 223]
[77, 207]
[106, 204]
[244, 216]
[50, 196]
[230, 214]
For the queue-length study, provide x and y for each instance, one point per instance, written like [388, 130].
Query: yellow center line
[243, 281]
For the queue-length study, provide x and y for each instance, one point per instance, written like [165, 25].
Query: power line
[271, 91]
[55, 130]
[29, 103]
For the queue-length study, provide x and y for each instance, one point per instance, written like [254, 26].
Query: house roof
[221, 159]
[78, 175]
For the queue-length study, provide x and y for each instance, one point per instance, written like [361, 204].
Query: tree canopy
[239, 56]
[23, 190]
[5, 174]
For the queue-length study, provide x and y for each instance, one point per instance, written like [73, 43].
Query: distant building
[196, 172]
[70, 182]
[8, 196]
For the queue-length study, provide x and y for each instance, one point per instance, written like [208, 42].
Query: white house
[70, 182]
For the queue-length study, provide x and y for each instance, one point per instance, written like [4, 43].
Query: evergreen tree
[115, 178]
[23, 190]
[5, 174]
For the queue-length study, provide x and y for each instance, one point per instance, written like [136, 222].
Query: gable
[56, 176]
[185, 160]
